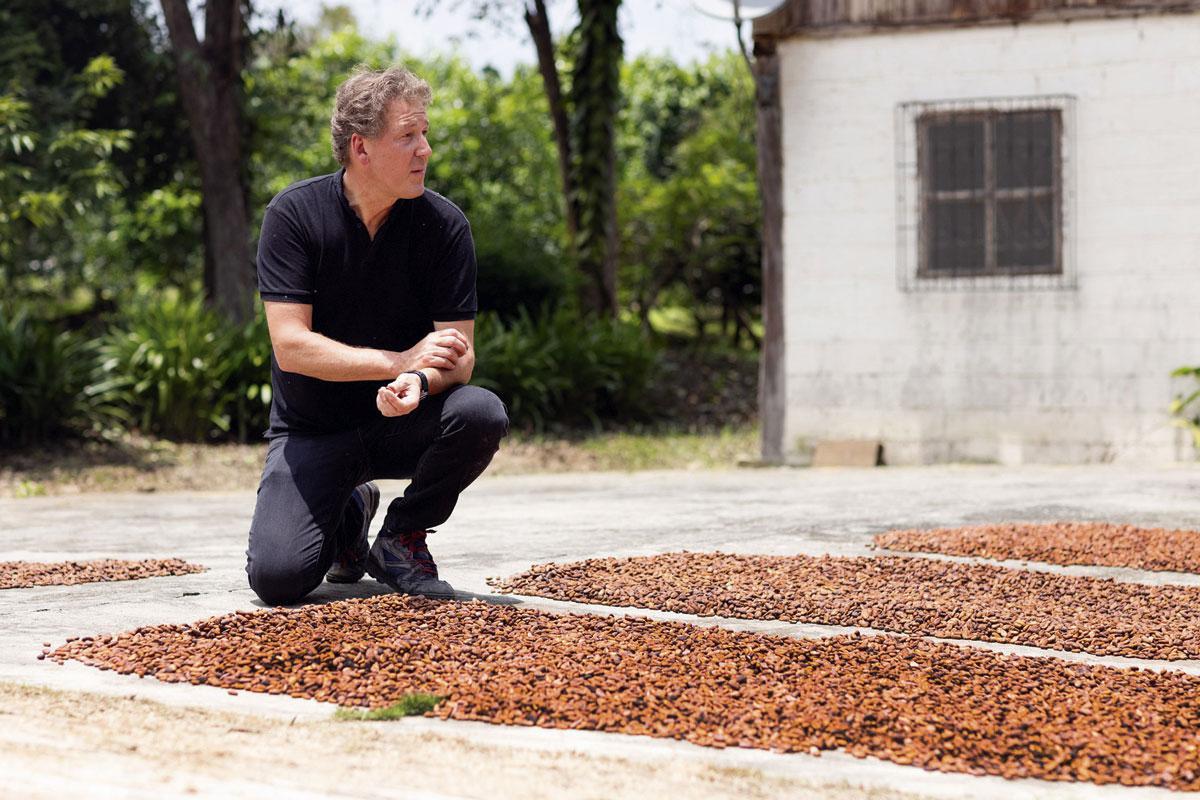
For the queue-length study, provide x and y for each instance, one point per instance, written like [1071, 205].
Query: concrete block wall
[1036, 375]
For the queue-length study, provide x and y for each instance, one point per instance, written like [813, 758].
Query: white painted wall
[1012, 376]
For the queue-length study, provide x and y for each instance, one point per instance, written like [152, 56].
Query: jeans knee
[482, 413]
[493, 417]
[277, 583]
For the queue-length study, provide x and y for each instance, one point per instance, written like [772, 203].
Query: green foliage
[248, 399]
[493, 155]
[76, 78]
[1186, 408]
[156, 236]
[46, 377]
[689, 199]
[91, 215]
[182, 373]
[556, 369]
[410, 705]
[49, 176]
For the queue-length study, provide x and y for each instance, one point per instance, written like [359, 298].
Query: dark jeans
[304, 516]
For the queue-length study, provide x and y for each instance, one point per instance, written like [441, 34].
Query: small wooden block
[848, 453]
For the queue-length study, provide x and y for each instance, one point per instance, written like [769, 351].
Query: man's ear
[358, 149]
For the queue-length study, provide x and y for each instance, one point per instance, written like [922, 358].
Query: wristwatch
[424, 382]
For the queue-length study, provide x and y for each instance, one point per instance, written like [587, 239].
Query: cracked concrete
[505, 524]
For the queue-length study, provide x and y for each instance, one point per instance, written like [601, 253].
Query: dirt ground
[131, 747]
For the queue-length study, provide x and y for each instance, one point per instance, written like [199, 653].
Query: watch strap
[424, 381]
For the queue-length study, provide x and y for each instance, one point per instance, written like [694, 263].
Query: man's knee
[480, 412]
[279, 581]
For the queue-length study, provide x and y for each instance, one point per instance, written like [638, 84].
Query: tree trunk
[772, 402]
[538, 23]
[596, 93]
[209, 82]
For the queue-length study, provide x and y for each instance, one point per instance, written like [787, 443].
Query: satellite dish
[747, 9]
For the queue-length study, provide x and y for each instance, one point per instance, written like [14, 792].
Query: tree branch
[179, 26]
[538, 22]
[737, 27]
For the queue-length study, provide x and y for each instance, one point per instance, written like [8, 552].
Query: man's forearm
[442, 379]
[318, 356]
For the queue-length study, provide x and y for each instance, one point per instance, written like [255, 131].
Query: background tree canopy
[102, 247]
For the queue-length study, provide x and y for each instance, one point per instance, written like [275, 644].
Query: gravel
[910, 595]
[910, 701]
[24, 574]
[1066, 543]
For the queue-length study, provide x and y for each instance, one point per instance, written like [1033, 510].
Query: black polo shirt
[383, 293]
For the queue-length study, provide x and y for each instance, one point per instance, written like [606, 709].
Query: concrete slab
[505, 524]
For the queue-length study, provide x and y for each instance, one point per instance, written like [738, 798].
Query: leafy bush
[1186, 409]
[53, 172]
[248, 402]
[46, 377]
[690, 216]
[182, 373]
[558, 370]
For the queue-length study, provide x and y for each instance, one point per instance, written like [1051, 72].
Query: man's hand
[439, 349]
[400, 397]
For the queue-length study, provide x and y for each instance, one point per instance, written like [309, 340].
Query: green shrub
[559, 370]
[248, 404]
[183, 373]
[1186, 409]
[46, 377]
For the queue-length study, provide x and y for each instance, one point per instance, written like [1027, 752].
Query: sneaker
[403, 562]
[350, 564]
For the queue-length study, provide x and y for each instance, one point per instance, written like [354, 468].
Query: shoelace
[414, 542]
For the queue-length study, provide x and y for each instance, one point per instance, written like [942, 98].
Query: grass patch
[627, 451]
[680, 323]
[411, 705]
[638, 451]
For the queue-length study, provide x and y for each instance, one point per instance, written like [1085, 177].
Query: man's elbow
[287, 355]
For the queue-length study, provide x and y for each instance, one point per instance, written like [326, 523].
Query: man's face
[398, 156]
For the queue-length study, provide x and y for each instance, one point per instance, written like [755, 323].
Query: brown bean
[24, 574]
[1066, 543]
[912, 701]
[909, 595]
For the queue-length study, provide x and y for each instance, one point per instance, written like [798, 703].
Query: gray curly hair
[362, 103]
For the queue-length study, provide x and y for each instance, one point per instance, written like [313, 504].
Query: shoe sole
[373, 505]
[333, 578]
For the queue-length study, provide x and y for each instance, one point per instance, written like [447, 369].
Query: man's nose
[425, 150]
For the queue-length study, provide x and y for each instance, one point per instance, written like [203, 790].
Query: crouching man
[368, 280]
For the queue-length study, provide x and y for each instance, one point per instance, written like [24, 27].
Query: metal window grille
[985, 194]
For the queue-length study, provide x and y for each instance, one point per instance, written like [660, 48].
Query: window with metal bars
[991, 193]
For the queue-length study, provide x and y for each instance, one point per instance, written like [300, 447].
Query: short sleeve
[285, 271]
[453, 296]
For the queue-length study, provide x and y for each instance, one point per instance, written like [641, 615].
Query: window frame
[913, 217]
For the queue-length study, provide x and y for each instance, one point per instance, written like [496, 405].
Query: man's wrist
[422, 378]
[402, 362]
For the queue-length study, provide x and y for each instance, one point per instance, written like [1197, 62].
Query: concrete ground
[73, 729]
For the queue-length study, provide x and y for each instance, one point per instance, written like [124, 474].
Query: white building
[989, 224]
